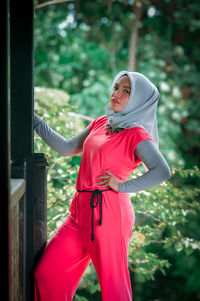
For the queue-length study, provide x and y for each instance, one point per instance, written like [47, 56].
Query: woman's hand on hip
[108, 180]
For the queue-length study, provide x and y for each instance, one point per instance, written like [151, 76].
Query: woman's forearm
[158, 169]
[61, 145]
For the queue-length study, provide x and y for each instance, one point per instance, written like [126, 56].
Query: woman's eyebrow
[116, 84]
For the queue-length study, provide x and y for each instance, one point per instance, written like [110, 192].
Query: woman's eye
[127, 92]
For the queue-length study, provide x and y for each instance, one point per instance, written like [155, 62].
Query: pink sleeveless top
[114, 153]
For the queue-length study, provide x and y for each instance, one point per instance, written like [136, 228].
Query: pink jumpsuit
[72, 248]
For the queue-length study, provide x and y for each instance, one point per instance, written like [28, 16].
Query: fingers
[104, 180]
[103, 183]
[109, 180]
[108, 172]
[103, 177]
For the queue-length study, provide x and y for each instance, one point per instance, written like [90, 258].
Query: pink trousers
[69, 252]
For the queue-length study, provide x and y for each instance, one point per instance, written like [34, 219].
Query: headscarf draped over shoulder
[140, 110]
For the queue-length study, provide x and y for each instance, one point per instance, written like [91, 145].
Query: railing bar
[17, 190]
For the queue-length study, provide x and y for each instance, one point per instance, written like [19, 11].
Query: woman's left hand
[109, 180]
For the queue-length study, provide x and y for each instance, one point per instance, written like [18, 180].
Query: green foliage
[167, 219]
[79, 47]
[162, 214]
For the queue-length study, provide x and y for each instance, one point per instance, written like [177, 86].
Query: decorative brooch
[111, 131]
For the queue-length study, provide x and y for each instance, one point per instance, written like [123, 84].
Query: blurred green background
[79, 47]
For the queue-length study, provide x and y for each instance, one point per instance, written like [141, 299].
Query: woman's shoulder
[101, 119]
[139, 133]
[97, 122]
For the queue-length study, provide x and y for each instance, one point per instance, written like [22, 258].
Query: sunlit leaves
[162, 214]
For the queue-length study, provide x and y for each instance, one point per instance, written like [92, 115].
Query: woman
[101, 215]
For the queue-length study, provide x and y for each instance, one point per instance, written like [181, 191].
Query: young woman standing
[101, 218]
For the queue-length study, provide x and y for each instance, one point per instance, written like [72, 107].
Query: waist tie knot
[98, 194]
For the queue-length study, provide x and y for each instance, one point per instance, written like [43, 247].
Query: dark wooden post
[40, 205]
[21, 69]
[23, 197]
[4, 134]
[22, 146]
[21, 51]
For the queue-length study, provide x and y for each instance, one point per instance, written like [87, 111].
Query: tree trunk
[137, 9]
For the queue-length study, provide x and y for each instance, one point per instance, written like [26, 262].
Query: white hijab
[140, 110]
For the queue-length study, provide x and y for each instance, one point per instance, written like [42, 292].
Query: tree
[137, 11]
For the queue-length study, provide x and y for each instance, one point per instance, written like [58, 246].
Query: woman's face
[120, 94]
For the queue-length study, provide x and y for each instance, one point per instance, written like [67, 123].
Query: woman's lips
[114, 100]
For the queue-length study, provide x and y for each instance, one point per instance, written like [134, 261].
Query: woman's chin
[115, 107]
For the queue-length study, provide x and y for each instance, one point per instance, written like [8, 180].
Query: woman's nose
[117, 93]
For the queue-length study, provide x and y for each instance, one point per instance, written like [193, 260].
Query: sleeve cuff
[36, 121]
[122, 187]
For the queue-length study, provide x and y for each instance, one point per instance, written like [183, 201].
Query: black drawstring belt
[99, 197]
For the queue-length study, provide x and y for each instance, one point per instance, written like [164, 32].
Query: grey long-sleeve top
[158, 169]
